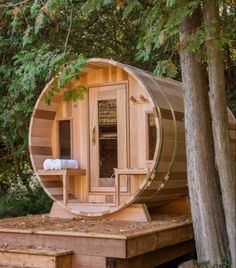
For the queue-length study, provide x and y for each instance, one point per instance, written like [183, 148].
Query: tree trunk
[220, 121]
[203, 181]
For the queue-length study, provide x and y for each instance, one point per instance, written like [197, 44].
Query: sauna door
[108, 135]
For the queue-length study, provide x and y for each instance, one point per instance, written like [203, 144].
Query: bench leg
[117, 187]
[65, 190]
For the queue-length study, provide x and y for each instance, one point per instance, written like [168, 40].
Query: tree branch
[16, 4]
[69, 30]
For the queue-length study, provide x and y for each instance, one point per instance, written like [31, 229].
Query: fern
[74, 94]
[66, 72]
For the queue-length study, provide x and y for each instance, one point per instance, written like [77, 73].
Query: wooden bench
[125, 171]
[64, 173]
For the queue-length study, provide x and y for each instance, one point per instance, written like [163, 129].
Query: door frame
[109, 87]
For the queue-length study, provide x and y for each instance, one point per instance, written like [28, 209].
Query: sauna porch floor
[104, 243]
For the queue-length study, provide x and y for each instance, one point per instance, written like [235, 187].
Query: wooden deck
[118, 244]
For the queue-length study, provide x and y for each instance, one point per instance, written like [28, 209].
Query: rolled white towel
[56, 164]
[47, 164]
[64, 163]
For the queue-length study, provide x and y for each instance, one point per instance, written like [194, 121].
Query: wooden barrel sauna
[127, 135]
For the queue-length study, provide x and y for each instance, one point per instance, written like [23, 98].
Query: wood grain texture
[29, 258]
[41, 150]
[154, 258]
[166, 114]
[42, 114]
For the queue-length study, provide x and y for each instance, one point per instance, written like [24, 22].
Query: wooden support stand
[179, 206]
[136, 212]
[59, 211]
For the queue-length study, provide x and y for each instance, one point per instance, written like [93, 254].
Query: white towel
[50, 164]
[47, 164]
[64, 163]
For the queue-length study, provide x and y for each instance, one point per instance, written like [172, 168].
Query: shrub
[18, 202]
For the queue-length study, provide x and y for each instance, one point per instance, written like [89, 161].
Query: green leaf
[66, 72]
[74, 94]
[17, 107]
[39, 23]
[170, 3]
[27, 38]
[132, 6]
[34, 10]
[167, 68]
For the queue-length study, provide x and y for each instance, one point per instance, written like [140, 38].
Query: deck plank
[114, 239]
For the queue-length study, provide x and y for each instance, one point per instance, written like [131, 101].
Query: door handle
[94, 136]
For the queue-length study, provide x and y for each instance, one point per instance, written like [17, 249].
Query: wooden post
[117, 187]
[65, 190]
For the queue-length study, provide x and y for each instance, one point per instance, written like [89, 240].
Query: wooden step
[90, 207]
[10, 266]
[34, 257]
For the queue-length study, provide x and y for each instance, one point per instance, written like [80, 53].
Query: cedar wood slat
[42, 114]
[41, 150]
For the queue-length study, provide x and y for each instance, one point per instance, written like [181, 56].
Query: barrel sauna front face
[127, 135]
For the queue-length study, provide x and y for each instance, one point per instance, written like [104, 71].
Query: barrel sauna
[127, 135]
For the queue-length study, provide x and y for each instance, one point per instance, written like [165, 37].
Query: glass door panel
[107, 126]
[152, 136]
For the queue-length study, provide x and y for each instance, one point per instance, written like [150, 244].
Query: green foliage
[70, 70]
[74, 94]
[133, 6]
[46, 13]
[34, 10]
[231, 100]
[166, 68]
[225, 264]
[29, 69]
[7, 178]
[20, 203]
[92, 5]
[170, 3]
[159, 22]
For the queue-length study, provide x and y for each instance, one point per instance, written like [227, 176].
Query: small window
[64, 139]
[152, 135]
